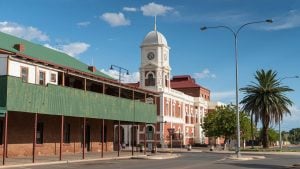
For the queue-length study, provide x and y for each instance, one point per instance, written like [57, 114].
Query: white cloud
[83, 24]
[204, 74]
[25, 32]
[129, 9]
[51, 47]
[287, 21]
[153, 9]
[115, 19]
[224, 96]
[73, 49]
[131, 78]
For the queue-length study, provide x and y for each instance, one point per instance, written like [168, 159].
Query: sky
[102, 33]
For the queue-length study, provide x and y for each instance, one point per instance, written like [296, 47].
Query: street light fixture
[113, 67]
[235, 34]
[279, 124]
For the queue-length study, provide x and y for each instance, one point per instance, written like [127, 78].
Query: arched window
[166, 81]
[150, 79]
[149, 133]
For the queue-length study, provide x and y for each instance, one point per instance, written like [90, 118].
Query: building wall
[21, 129]
[196, 92]
[205, 94]
[33, 71]
[186, 111]
[3, 64]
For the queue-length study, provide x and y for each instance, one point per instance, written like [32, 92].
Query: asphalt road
[186, 161]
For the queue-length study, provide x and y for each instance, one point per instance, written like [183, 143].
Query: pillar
[83, 144]
[5, 137]
[34, 138]
[61, 137]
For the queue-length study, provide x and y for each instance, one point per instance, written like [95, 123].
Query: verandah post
[5, 138]
[34, 137]
[61, 137]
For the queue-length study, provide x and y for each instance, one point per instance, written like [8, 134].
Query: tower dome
[154, 38]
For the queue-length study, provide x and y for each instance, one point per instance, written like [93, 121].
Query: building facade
[53, 104]
[182, 103]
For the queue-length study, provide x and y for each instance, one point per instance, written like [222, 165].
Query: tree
[222, 123]
[272, 134]
[294, 136]
[266, 101]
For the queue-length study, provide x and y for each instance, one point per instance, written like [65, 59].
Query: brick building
[53, 104]
[182, 103]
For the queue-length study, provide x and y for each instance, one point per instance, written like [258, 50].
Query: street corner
[245, 158]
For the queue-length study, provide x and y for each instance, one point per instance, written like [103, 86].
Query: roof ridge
[38, 51]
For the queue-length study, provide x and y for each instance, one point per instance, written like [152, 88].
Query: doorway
[88, 137]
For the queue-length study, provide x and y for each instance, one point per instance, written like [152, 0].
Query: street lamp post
[235, 34]
[280, 136]
[120, 69]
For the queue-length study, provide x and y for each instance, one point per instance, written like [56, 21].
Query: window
[149, 133]
[167, 109]
[67, 133]
[173, 110]
[53, 77]
[150, 80]
[166, 81]
[105, 134]
[179, 109]
[42, 78]
[39, 133]
[24, 74]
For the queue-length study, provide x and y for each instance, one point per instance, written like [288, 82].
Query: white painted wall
[48, 75]
[15, 70]
[3, 64]
[33, 71]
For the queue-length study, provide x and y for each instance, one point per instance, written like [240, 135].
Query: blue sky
[110, 32]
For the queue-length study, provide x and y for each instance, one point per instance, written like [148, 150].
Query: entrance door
[88, 138]
[134, 135]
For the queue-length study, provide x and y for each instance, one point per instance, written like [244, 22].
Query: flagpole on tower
[155, 23]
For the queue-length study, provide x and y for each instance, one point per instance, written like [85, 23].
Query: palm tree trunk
[265, 135]
[265, 138]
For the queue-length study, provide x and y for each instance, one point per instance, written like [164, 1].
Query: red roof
[184, 81]
[178, 82]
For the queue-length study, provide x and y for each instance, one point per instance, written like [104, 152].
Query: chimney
[92, 68]
[20, 47]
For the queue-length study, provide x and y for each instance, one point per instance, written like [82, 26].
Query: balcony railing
[59, 100]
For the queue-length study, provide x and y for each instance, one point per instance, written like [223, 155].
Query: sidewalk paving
[67, 158]
[89, 156]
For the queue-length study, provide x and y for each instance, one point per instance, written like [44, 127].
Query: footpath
[90, 156]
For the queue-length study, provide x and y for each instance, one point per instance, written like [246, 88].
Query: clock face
[150, 55]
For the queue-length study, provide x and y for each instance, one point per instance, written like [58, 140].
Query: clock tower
[155, 68]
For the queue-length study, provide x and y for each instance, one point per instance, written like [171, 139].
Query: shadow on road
[266, 166]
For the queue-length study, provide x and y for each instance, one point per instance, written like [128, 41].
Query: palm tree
[266, 101]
